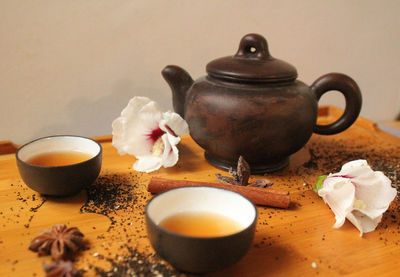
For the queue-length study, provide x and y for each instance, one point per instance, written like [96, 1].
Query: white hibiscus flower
[144, 131]
[357, 193]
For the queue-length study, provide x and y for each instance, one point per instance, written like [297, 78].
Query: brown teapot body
[255, 109]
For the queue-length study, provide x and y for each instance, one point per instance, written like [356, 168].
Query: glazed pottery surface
[252, 105]
[200, 254]
[59, 180]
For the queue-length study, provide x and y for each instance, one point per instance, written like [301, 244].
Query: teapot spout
[180, 82]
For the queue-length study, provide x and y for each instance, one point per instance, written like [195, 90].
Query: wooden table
[296, 241]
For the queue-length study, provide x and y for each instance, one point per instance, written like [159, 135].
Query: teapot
[252, 105]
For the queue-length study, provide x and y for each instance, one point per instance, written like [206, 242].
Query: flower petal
[377, 193]
[144, 131]
[338, 193]
[372, 195]
[372, 187]
[362, 222]
[131, 129]
[171, 153]
[147, 163]
[355, 168]
[174, 122]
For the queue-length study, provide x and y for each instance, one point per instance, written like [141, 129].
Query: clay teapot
[251, 104]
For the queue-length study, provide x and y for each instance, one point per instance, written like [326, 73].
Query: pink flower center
[155, 134]
[343, 176]
[170, 131]
[347, 177]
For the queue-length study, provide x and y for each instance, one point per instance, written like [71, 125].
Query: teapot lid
[252, 63]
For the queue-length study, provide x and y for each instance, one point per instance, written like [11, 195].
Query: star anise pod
[227, 180]
[233, 174]
[261, 183]
[60, 269]
[60, 242]
[243, 171]
[241, 176]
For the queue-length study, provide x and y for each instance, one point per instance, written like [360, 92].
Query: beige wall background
[70, 66]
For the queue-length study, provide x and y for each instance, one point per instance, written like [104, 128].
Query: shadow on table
[261, 260]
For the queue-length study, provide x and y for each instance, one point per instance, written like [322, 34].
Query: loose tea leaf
[261, 183]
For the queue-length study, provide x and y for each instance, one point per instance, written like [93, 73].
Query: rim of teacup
[244, 229]
[98, 149]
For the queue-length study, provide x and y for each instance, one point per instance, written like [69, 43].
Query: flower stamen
[158, 147]
[359, 204]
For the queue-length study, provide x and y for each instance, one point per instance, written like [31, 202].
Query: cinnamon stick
[259, 196]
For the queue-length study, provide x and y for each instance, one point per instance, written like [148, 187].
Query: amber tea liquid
[201, 224]
[59, 158]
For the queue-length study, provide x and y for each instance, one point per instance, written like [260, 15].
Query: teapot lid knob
[253, 46]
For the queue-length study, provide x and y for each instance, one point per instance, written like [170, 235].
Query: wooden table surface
[296, 241]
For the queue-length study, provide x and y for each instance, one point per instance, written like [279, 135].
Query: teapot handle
[348, 87]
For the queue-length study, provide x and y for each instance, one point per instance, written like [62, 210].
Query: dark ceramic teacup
[195, 254]
[61, 180]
